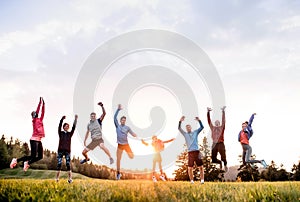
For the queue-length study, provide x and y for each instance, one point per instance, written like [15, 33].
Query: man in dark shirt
[64, 146]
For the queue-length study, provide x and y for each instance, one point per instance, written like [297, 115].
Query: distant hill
[232, 173]
[18, 173]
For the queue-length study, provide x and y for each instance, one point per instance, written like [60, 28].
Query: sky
[253, 45]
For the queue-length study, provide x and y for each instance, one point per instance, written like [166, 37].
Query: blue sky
[254, 45]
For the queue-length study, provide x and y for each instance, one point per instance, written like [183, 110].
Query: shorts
[94, 143]
[193, 157]
[157, 157]
[125, 147]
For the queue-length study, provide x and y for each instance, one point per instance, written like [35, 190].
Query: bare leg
[57, 175]
[70, 174]
[119, 156]
[160, 168]
[105, 150]
[153, 167]
[190, 172]
[84, 153]
[201, 173]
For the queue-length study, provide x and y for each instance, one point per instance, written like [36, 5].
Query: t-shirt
[244, 138]
[158, 145]
[95, 127]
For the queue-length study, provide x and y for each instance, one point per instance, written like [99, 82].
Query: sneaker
[111, 160]
[26, 166]
[226, 169]
[119, 176]
[192, 181]
[264, 164]
[154, 179]
[253, 165]
[13, 163]
[162, 178]
[70, 181]
[202, 182]
[84, 161]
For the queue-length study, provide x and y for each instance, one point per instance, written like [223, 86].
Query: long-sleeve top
[65, 137]
[122, 130]
[245, 135]
[37, 123]
[191, 138]
[217, 132]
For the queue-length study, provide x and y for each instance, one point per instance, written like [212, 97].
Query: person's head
[246, 122]
[123, 120]
[154, 138]
[34, 114]
[93, 116]
[217, 123]
[244, 125]
[188, 128]
[66, 126]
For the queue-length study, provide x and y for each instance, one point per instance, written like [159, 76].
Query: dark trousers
[36, 152]
[218, 148]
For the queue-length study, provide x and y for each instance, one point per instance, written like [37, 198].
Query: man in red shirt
[35, 140]
[217, 135]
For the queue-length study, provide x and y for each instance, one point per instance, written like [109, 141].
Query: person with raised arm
[35, 140]
[244, 136]
[191, 139]
[122, 140]
[94, 128]
[158, 146]
[217, 135]
[64, 146]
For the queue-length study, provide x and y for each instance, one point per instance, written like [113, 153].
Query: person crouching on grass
[158, 146]
[191, 139]
[64, 146]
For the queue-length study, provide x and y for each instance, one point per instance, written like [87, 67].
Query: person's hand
[64, 117]
[120, 107]
[182, 118]
[223, 108]
[144, 142]
[197, 118]
[254, 114]
[172, 139]
[76, 116]
[100, 103]
[209, 109]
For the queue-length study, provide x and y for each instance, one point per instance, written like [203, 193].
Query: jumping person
[64, 146]
[95, 128]
[244, 135]
[35, 140]
[158, 146]
[217, 135]
[191, 139]
[122, 140]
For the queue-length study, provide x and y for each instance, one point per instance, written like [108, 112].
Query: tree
[4, 156]
[273, 173]
[296, 172]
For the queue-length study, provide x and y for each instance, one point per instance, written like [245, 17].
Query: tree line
[10, 148]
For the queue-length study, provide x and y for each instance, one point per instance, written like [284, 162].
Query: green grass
[18, 173]
[134, 190]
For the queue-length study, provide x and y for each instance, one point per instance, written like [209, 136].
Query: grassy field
[38, 185]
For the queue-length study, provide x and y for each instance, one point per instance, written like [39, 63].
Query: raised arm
[251, 119]
[167, 141]
[103, 111]
[60, 124]
[208, 118]
[39, 106]
[74, 125]
[116, 116]
[201, 125]
[223, 116]
[179, 125]
[43, 110]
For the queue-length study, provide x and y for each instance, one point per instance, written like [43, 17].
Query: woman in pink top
[35, 140]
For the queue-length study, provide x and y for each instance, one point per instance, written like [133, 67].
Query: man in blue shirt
[122, 133]
[194, 156]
